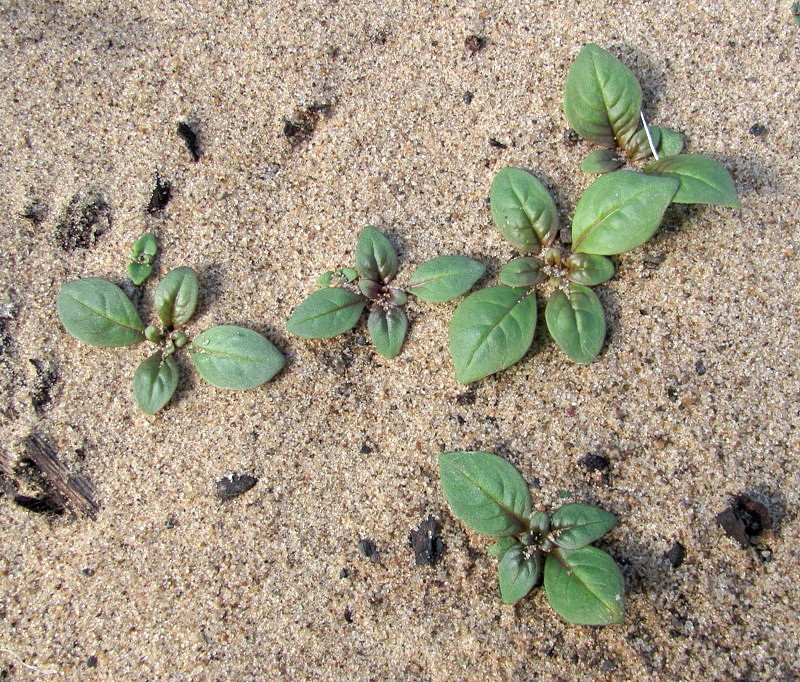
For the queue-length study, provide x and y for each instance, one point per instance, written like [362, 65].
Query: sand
[693, 400]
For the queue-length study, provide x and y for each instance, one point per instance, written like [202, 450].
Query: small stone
[368, 550]
[700, 368]
[344, 573]
[233, 485]
[91, 662]
[571, 137]
[468, 97]
[744, 519]
[676, 554]
[758, 130]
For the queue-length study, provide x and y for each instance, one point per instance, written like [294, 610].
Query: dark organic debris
[233, 485]
[46, 504]
[744, 519]
[497, 144]
[468, 96]
[368, 550]
[758, 130]
[366, 448]
[594, 461]
[190, 138]
[67, 490]
[474, 43]
[676, 554]
[87, 218]
[35, 211]
[426, 543]
[570, 137]
[46, 377]
[467, 397]
[301, 126]
[700, 368]
[162, 193]
[348, 615]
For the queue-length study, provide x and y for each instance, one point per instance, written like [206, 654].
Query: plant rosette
[347, 292]
[493, 328]
[583, 584]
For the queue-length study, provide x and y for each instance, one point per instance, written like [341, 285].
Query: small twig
[28, 666]
[647, 132]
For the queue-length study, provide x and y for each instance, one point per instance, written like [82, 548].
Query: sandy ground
[693, 400]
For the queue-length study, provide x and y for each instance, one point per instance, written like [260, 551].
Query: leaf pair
[583, 584]
[332, 311]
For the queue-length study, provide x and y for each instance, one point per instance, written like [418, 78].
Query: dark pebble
[427, 545]
[676, 554]
[758, 130]
[468, 97]
[700, 368]
[344, 573]
[367, 549]
[234, 485]
[91, 662]
[744, 519]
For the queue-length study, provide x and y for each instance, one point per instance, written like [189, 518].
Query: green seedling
[333, 310]
[493, 328]
[101, 314]
[142, 256]
[583, 583]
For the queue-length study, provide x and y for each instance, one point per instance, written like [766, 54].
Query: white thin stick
[647, 132]
[29, 667]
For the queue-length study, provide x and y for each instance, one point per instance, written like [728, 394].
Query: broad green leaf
[144, 248]
[235, 357]
[376, 258]
[387, 329]
[176, 297]
[577, 525]
[325, 279]
[671, 142]
[139, 272]
[523, 210]
[486, 492]
[620, 211]
[589, 269]
[602, 98]
[444, 278]
[491, 330]
[522, 272]
[585, 586]
[499, 548]
[639, 146]
[577, 322]
[98, 312]
[326, 313]
[601, 161]
[155, 382]
[703, 180]
[520, 569]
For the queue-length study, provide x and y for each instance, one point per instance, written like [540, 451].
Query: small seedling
[333, 310]
[582, 583]
[493, 328]
[99, 313]
[142, 256]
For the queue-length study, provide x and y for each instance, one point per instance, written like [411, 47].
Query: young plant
[99, 313]
[582, 583]
[142, 256]
[493, 328]
[333, 310]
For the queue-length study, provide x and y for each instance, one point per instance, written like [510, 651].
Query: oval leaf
[326, 313]
[703, 180]
[144, 249]
[499, 548]
[235, 357]
[519, 571]
[155, 382]
[577, 525]
[601, 161]
[523, 210]
[139, 272]
[387, 329]
[98, 312]
[491, 330]
[376, 258]
[671, 142]
[486, 492]
[577, 323]
[522, 272]
[589, 269]
[585, 586]
[620, 211]
[444, 278]
[602, 98]
[176, 297]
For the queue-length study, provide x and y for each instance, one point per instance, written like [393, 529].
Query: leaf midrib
[102, 315]
[519, 519]
[593, 226]
[491, 330]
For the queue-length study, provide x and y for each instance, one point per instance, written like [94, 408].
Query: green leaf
[601, 161]
[376, 258]
[520, 569]
[602, 98]
[577, 525]
[577, 322]
[499, 548]
[671, 142]
[523, 210]
[326, 313]
[444, 278]
[639, 146]
[585, 586]
[522, 272]
[387, 329]
[589, 269]
[703, 180]
[235, 357]
[491, 330]
[486, 492]
[155, 382]
[176, 297]
[325, 279]
[139, 272]
[620, 211]
[144, 249]
[99, 313]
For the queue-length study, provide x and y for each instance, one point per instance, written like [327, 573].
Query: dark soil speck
[426, 542]
[234, 485]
